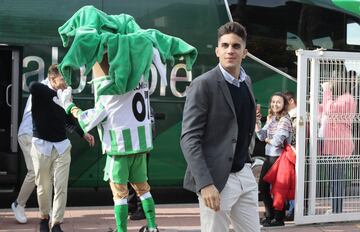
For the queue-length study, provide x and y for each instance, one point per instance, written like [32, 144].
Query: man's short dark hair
[290, 95]
[53, 71]
[233, 27]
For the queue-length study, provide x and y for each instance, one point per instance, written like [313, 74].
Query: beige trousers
[28, 185]
[238, 205]
[45, 167]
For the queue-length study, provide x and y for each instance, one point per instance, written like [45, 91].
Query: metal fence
[328, 137]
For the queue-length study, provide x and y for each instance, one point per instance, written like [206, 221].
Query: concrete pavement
[170, 218]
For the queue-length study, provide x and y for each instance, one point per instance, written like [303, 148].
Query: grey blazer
[209, 131]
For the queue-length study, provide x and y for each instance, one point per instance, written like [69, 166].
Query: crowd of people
[219, 102]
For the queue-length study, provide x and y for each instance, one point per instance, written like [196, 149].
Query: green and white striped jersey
[123, 121]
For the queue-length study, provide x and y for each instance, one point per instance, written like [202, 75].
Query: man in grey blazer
[217, 139]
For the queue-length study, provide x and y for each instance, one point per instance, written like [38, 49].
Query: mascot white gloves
[64, 99]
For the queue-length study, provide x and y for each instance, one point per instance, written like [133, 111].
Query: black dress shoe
[145, 229]
[275, 222]
[56, 228]
[265, 221]
[44, 225]
[138, 215]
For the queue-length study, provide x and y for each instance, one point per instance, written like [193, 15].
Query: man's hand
[90, 139]
[211, 197]
[64, 99]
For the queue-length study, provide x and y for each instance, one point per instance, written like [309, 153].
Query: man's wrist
[69, 107]
[75, 111]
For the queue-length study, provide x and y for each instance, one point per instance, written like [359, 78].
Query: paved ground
[171, 218]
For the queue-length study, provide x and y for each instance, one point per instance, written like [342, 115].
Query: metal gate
[328, 137]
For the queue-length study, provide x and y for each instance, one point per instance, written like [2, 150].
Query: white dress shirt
[26, 126]
[231, 79]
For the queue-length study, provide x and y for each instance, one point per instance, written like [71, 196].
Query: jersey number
[138, 98]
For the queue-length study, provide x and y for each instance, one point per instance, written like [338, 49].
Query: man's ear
[51, 81]
[217, 51]
[291, 101]
[245, 53]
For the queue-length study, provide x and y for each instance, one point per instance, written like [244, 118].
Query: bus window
[323, 42]
[321, 27]
[352, 32]
[293, 42]
[277, 28]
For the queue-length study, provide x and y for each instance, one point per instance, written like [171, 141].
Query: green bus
[29, 44]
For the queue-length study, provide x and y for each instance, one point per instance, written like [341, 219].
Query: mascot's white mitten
[64, 99]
